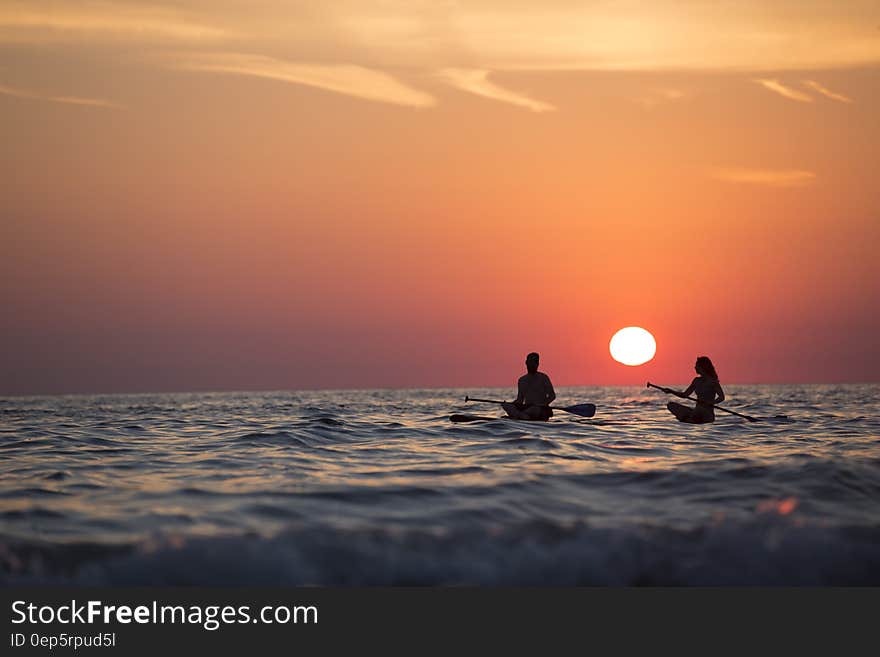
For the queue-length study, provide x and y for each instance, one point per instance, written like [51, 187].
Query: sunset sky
[219, 195]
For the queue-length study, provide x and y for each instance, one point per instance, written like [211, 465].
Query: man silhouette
[534, 394]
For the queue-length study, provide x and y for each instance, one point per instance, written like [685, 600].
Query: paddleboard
[460, 417]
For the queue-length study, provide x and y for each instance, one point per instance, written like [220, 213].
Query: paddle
[669, 391]
[584, 410]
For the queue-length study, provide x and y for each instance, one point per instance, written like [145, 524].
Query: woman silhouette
[708, 391]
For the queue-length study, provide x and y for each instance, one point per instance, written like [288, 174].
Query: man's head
[532, 362]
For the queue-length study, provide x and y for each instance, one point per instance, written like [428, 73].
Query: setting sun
[632, 346]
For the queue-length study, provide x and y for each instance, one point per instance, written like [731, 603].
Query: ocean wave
[768, 551]
[272, 438]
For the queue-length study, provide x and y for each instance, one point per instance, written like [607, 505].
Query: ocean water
[364, 488]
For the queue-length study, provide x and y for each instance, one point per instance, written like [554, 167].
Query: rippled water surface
[378, 487]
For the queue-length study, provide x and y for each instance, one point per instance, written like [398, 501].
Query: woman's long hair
[706, 366]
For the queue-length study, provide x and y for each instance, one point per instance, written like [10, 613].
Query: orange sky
[266, 195]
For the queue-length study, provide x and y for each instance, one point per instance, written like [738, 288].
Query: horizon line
[10, 395]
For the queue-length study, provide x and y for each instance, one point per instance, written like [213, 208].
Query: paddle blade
[584, 410]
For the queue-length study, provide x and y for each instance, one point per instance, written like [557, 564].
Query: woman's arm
[689, 390]
[720, 393]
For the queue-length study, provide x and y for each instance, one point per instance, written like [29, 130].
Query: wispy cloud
[676, 35]
[815, 86]
[345, 79]
[69, 100]
[777, 87]
[768, 177]
[658, 96]
[494, 35]
[39, 22]
[476, 81]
